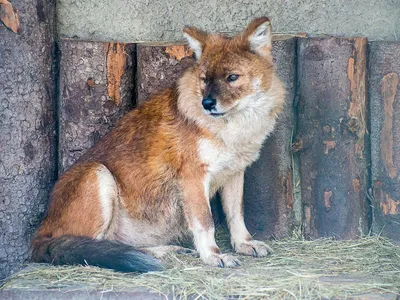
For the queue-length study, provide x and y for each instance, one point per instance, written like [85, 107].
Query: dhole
[139, 188]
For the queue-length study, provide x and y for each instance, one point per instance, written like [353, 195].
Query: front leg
[197, 211]
[232, 202]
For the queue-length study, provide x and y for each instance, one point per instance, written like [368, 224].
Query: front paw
[221, 260]
[253, 247]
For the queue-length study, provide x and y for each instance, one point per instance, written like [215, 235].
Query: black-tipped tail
[75, 250]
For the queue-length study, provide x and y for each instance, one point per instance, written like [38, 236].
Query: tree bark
[96, 89]
[159, 67]
[27, 127]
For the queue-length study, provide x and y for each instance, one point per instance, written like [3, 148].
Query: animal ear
[196, 39]
[258, 35]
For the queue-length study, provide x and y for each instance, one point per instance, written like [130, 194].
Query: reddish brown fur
[67, 211]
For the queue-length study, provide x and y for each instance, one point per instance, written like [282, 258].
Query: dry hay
[298, 269]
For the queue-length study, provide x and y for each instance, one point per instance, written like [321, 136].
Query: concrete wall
[162, 20]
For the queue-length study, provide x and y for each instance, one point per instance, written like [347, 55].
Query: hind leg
[78, 225]
[83, 203]
[108, 198]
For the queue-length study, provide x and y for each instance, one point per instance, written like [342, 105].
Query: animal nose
[209, 103]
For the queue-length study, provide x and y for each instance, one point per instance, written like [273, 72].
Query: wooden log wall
[27, 124]
[384, 78]
[96, 89]
[332, 129]
[323, 147]
[159, 67]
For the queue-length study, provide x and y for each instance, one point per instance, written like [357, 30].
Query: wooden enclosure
[331, 168]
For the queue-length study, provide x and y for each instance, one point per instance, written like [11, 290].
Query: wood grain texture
[332, 129]
[384, 90]
[27, 130]
[96, 89]
[268, 193]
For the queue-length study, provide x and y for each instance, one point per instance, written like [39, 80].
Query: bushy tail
[74, 250]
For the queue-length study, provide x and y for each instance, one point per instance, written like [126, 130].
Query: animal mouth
[217, 114]
[228, 111]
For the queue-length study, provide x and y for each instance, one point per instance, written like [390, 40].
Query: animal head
[231, 74]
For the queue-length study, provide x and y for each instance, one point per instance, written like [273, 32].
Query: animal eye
[232, 77]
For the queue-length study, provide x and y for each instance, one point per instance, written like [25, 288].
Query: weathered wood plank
[332, 129]
[27, 130]
[384, 90]
[96, 89]
[159, 67]
[268, 194]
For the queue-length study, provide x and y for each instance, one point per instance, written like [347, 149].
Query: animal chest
[238, 146]
[223, 161]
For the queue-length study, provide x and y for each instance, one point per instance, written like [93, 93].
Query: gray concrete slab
[163, 20]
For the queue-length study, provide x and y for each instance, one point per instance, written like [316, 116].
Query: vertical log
[268, 192]
[332, 128]
[27, 131]
[96, 89]
[159, 67]
[384, 88]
